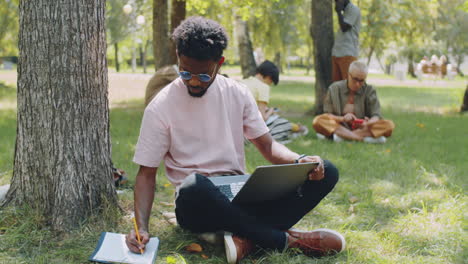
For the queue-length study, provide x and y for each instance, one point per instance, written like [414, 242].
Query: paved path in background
[128, 86]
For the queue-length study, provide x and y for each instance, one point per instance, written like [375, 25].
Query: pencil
[137, 233]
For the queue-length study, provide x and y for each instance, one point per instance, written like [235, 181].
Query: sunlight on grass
[434, 231]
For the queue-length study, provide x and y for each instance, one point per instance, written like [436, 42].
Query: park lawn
[401, 202]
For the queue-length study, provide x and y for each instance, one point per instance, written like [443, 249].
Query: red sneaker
[236, 248]
[318, 242]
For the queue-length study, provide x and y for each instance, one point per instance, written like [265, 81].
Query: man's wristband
[300, 157]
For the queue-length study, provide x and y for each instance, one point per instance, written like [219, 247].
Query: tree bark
[178, 12]
[62, 163]
[247, 60]
[277, 61]
[160, 34]
[321, 31]
[464, 106]
[116, 50]
[369, 56]
[145, 52]
[459, 59]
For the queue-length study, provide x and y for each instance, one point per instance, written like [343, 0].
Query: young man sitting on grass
[259, 85]
[352, 110]
[196, 125]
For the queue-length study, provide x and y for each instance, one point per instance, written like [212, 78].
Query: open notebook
[112, 248]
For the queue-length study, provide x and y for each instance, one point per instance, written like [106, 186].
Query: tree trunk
[411, 65]
[134, 55]
[309, 58]
[369, 56]
[247, 60]
[62, 163]
[116, 50]
[459, 59]
[277, 61]
[178, 11]
[321, 31]
[160, 34]
[464, 106]
[145, 52]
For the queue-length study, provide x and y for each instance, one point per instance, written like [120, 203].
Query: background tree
[8, 27]
[178, 12]
[452, 29]
[416, 23]
[377, 28]
[280, 28]
[464, 106]
[162, 31]
[247, 60]
[117, 26]
[62, 164]
[321, 30]
[143, 30]
[161, 34]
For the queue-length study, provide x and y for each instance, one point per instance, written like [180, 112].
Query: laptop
[265, 184]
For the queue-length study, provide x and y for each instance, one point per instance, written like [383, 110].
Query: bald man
[352, 110]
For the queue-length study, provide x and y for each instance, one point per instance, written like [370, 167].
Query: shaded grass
[6, 91]
[408, 196]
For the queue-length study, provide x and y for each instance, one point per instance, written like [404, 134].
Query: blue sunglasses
[203, 77]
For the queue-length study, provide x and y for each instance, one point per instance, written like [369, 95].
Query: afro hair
[200, 38]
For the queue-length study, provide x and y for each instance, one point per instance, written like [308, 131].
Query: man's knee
[194, 185]
[331, 174]
[188, 181]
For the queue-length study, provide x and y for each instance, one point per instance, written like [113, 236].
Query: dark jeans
[201, 207]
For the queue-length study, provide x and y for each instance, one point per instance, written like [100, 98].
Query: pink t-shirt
[203, 135]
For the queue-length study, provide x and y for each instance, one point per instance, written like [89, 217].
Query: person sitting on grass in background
[196, 125]
[259, 85]
[159, 80]
[352, 110]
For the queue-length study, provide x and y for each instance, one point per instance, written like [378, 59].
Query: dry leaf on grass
[168, 215]
[353, 199]
[172, 221]
[204, 256]
[166, 204]
[194, 248]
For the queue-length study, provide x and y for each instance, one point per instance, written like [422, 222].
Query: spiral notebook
[112, 248]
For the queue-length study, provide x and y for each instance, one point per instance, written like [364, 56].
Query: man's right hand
[347, 118]
[132, 241]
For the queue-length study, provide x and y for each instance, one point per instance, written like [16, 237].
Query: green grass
[408, 201]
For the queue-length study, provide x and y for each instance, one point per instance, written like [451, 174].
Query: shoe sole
[337, 138]
[230, 248]
[321, 137]
[340, 236]
[212, 238]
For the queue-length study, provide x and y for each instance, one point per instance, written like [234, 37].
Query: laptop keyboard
[231, 190]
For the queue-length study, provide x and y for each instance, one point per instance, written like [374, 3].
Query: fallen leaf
[173, 221]
[204, 256]
[353, 199]
[171, 260]
[194, 247]
[169, 215]
[167, 185]
[388, 150]
[166, 204]
[420, 125]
